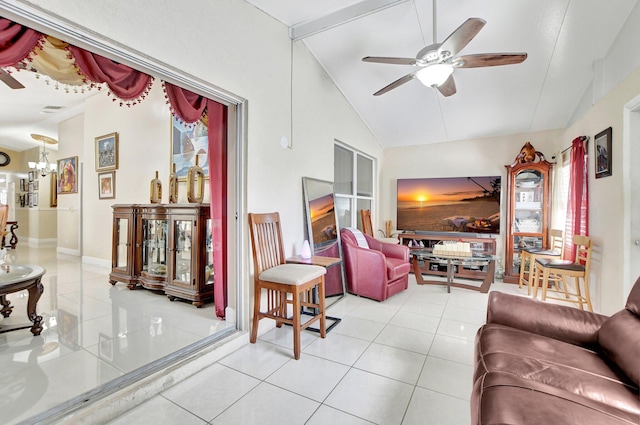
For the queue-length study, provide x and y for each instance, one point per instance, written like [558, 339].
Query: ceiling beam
[339, 17]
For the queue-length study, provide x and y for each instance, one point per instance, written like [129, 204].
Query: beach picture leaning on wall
[458, 204]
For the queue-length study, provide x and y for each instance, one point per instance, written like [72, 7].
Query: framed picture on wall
[68, 175]
[602, 147]
[107, 185]
[187, 141]
[107, 152]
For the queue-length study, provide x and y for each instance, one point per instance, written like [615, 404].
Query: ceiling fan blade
[447, 88]
[491, 59]
[9, 80]
[458, 39]
[396, 83]
[395, 61]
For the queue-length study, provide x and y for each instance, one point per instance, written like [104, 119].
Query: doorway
[631, 187]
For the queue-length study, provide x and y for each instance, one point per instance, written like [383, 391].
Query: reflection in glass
[154, 250]
[122, 235]
[183, 234]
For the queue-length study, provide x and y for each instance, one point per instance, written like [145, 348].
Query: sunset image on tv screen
[459, 204]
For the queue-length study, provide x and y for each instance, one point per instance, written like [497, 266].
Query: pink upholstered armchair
[374, 269]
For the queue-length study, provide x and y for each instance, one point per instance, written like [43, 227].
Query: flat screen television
[450, 204]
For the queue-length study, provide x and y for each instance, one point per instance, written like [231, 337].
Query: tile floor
[93, 332]
[406, 361]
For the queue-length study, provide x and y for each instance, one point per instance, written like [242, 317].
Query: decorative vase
[306, 250]
[155, 190]
[195, 183]
[173, 185]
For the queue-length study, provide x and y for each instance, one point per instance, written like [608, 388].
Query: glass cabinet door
[183, 236]
[529, 202]
[154, 248]
[208, 270]
[122, 242]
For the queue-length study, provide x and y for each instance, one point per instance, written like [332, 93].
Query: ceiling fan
[438, 60]
[6, 78]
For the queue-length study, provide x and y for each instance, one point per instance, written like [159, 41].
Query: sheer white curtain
[560, 185]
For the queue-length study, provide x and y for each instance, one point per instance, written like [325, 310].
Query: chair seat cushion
[548, 252]
[396, 268]
[560, 264]
[292, 274]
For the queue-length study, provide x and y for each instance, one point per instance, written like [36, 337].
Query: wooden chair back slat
[367, 226]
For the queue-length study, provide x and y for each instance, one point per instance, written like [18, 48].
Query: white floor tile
[392, 362]
[447, 377]
[326, 415]
[371, 397]
[429, 407]
[424, 308]
[258, 360]
[479, 317]
[454, 349]
[338, 348]
[284, 337]
[267, 404]
[456, 329]
[415, 321]
[405, 338]
[359, 328]
[378, 312]
[311, 376]
[211, 391]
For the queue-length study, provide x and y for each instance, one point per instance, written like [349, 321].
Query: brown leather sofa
[540, 363]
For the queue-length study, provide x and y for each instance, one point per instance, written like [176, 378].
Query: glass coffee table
[477, 260]
[14, 278]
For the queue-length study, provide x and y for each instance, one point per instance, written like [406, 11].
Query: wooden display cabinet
[164, 247]
[528, 209]
[480, 244]
[123, 250]
[190, 255]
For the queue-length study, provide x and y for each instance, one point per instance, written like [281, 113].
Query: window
[353, 183]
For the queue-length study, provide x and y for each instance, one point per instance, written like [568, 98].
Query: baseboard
[67, 251]
[100, 262]
[39, 243]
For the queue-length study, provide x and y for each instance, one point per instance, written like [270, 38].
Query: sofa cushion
[547, 361]
[633, 302]
[503, 398]
[619, 338]
[396, 268]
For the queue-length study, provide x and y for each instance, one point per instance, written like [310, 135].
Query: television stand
[482, 245]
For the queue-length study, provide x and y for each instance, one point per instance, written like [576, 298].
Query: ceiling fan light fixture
[434, 75]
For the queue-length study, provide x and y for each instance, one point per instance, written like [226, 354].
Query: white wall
[70, 137]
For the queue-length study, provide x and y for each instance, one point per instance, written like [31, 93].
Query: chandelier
[43, 166]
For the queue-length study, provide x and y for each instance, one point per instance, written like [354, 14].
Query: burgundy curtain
[124, 82]
[578, 203]
[16, 42]
[189, 107]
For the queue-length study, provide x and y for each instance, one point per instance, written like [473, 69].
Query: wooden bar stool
[558, 270]
[530, 255]
[298, 285]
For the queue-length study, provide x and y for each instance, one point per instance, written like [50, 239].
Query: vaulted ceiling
[563, 39]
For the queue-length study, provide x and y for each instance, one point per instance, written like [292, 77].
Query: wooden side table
[13, 225]
[14, 278]
[326, 262]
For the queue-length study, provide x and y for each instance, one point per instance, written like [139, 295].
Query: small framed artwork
[67, 175]
[107, 152]
[107, 185]
[22, 185]
[36, 185]
[30, 186]
[602, 147]
[32, 175]
[187, 142]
